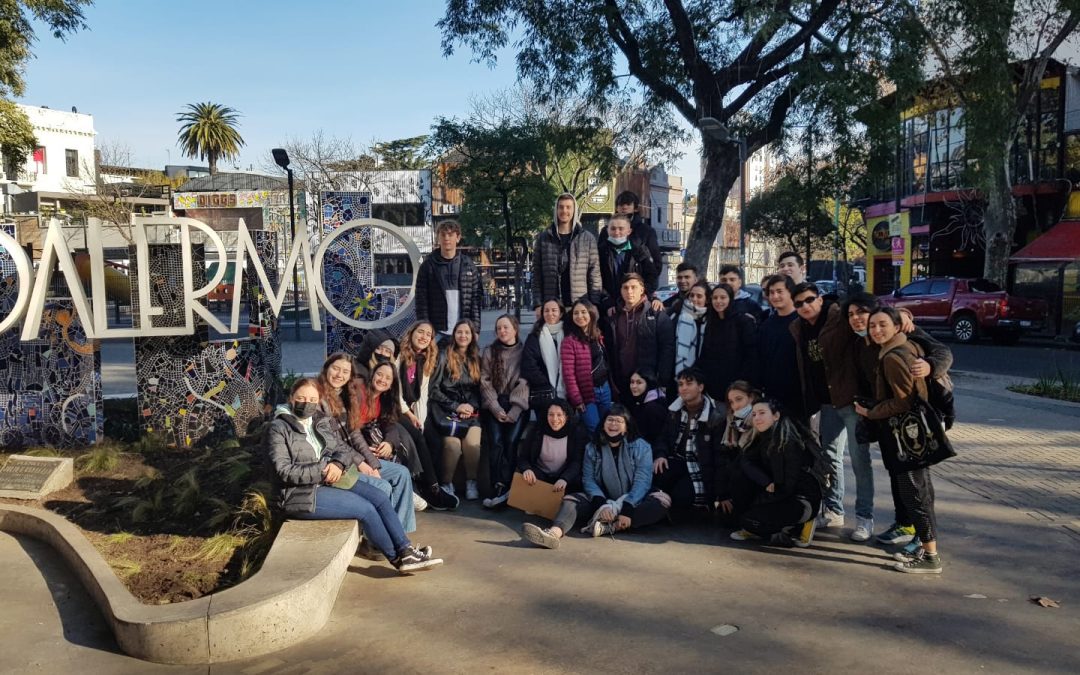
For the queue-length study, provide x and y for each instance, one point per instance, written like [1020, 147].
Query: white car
[665, 292]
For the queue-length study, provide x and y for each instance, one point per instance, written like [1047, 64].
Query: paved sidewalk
[650, 602]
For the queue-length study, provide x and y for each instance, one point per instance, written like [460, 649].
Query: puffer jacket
[640, 233]
[297, 469]
[431, 291]
[638, 260]
[577, 369]
[585, 280]
[513, 384]
[654, 354]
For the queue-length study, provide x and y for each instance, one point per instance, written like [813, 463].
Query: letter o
[22, 271]
[392, 230]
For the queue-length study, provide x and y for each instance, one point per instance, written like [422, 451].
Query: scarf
[688, 337]
[686, 443]
[551, 336]
[615, 477]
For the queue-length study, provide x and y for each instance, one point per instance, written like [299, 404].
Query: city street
[679, 598]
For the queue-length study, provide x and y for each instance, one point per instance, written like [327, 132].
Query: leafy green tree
[790, 211]
[403, 154]
[17, 34]
[992, 56]
[209, 132]
[750, 66]
[17, 138]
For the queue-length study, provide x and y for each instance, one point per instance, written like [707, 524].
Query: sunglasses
[806, 301]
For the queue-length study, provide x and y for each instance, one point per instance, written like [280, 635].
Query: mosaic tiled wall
[195, 389]
[349, 275]
[50, 388]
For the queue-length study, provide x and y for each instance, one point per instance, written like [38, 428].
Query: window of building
[40, 164]
[71, 163]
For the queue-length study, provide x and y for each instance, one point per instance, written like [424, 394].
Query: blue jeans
[396, 482]
[366, 504]
[598, 409]
[860, 464]
[834, 440]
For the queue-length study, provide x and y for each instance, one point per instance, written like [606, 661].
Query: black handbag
[451, 423]
[914, 439]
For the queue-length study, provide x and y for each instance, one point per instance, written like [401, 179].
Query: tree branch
[697, 68]
[623, 37]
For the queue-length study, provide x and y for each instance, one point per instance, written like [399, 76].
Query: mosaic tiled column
[50, 388]
[193, 389]
[349, 275]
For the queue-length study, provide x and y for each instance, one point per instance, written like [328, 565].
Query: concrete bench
[288, 600]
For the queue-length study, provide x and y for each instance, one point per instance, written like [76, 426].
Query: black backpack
[939, 395]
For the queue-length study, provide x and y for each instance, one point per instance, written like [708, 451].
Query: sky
[365, 70]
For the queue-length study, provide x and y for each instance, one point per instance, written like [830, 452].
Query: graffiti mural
[50, 388]
[349, 274]
[193, 388]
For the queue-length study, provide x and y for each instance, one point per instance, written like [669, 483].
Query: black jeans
[917, 494]
[769, 517]
[419, 458]
[502, 440]
[576, 510]
[675, 480]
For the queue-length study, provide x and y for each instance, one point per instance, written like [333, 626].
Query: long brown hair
[456, 362]
[496, 359]
[591, 332]
[334, 402]
[362, 399]
[431, 354]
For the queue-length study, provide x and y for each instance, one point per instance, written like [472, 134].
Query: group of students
[643, 409]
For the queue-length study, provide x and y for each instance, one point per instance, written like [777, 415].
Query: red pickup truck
[969, 307]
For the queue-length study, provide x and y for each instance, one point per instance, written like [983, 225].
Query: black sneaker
[440, 500]
[415, 560]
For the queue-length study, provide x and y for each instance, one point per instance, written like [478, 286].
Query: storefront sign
[94, 309]
[895, 224]
[880, 235]
[898, 251]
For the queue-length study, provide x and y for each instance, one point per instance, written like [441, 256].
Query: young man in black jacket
[689, 461]
[639, 338]
[777, 366]
[744, 302]
[620, 255]
[626, 204]
[686, 275]
[448, 285]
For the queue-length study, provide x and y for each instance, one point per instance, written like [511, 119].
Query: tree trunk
[721, 172]
[1000, 222]
[212, 161]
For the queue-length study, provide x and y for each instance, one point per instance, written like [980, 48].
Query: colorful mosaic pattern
[50, 388]
[193, 389]
[349, 276]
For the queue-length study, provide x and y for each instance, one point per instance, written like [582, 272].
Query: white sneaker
[472, 493]
[448, 488]
[864, 529]
[418, 503]
[829, 519]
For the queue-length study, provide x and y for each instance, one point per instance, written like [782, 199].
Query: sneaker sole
[420, 566]
[899, 567]
[535, 535]
[855, 536]
[896, 541]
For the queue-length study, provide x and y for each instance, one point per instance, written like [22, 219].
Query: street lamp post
[715, 129]
[281, 158]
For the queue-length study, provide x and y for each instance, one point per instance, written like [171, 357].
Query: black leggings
[675, 480]
[901, 517]
[418, 456]
[769, 517]
[917, 494]
[576, 510]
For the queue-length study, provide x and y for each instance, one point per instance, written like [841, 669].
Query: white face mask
[744, 412]
[696, 311]
[861, 333]
[617, 241]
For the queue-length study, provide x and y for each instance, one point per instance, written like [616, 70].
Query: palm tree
[209, 132]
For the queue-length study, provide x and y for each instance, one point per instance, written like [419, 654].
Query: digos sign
[31, 298]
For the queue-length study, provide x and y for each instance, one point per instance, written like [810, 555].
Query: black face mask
[304, 410]
[614, 440]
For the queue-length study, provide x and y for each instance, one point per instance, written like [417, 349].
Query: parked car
[827, 286]
[665, 292]
[969, 307]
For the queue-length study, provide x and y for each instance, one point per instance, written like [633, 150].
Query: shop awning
[1060, 244]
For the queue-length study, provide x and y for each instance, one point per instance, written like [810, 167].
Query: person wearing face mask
[378, 346]
[648, 405]
[504, 394]
[617, 480]
[688, 329]
[776, 492]
[314, 478]
[394, 479]
[730, 340]
[541, 364]
[620, 254]
[738, 433]
[865, 354]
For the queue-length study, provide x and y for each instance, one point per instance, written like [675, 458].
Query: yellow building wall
[873, 254]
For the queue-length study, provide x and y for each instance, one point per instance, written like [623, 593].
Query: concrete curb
[288, 600]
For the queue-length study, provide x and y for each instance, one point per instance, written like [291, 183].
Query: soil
[156, 547]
